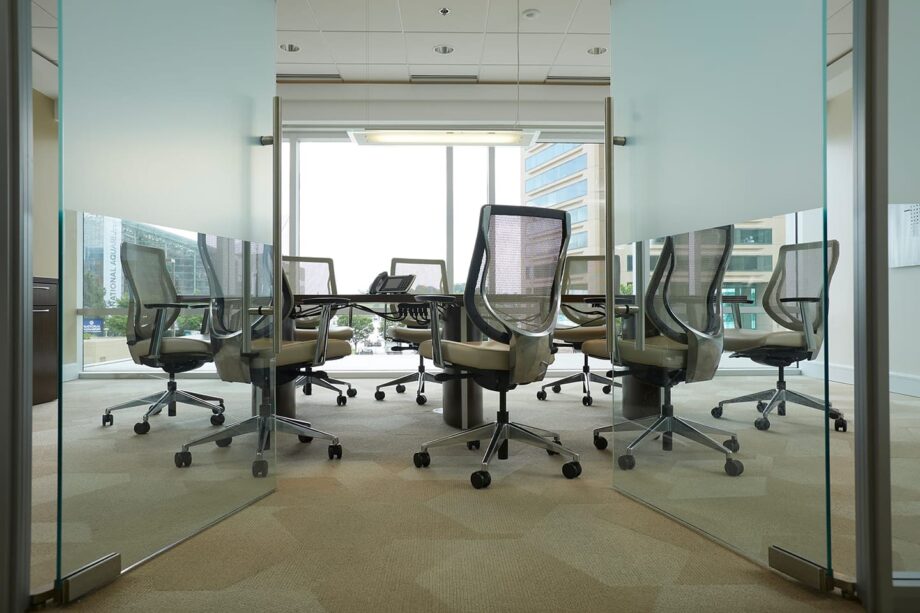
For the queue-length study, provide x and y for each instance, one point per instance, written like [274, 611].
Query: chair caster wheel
[224, 442]
[260, 468]
[732, 445]
[107, 419]
[600, 443]
[400, 389]
[471, 445]
[335, 452]
[840, 424]
[550, 451]
[183, 459]
[421, 459]
[626, 462]
[716, 412]
[733, 468]
[341, 401]
[834, 414]
[304, 438]
[352, 392]
[420, 399]
[142, 427]
[781, 410]
[480, 479]
[218, 419]
[762, 423]
[556, 389]
[571, 470]
[541, 395]
[606, 389]
[587, 401]
[761, 406]
[378, 395]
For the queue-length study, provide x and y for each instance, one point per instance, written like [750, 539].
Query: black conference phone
[385, 283]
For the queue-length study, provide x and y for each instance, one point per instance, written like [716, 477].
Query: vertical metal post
[15, 302]
[449, 203]
[490, 193]
[610, 237]
[277, 300]
[294, 198]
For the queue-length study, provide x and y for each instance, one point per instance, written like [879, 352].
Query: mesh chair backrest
[310, 276]
[799, 273]
[584, 274]
[514, 281]
[149, 282]
[685, 288]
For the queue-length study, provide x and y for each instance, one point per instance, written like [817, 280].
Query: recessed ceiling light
[530, 13]
[443, 49]
[290, 47]
[444, 11]
[597, 50]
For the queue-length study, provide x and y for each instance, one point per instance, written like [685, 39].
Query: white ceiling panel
[42, 18]
[509, 74]
[351, 47]
[534, 48]
[296, 15]
[397, 73]
[503, 16]
[307, 69]
[838, 44]
[313, 49]
[555, 15]
[50, 6]
[841, 22]
[835, 5]
[423, 16]
[444, 69]
[45, 41]
[574, 51]
[357, 16]
[420, 48]
[591, 17]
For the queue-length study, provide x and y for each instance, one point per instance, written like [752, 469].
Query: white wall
[45, 188]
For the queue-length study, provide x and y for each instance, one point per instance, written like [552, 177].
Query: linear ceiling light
[495, 138]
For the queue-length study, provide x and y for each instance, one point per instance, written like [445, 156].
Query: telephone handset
[385, 283]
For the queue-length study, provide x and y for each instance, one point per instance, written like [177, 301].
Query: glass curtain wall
[728, 259]
[166, 242]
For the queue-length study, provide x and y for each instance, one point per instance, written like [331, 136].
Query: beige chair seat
[409, 335]
[300, 352]
[580, 334]
[342, 333]
[659, 351]
[741, 340]
[173, 345]
[481, 355]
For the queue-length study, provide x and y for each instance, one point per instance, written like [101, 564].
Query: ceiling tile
[50, 6]
[357, 15]
[503, 17]
[45, 41]
[841, 22]
[555, 15]
[591, 17]
[510, 74]
[296, 15]
[423, 16]
[313, 49]
[837, 45]
[310, 69]
[534, 48]
[351, 47]
[444, 69]
[835, 5]
[42, 18]
[420, 48]
[574, 51]
[377, 72]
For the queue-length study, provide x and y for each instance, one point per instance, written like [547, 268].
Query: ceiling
[394, 40]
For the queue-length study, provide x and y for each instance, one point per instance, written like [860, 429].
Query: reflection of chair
[238, 363]
[430, 278]
[316, 277]
[794, 299]
[683, 304]
[512, 296]
[583, 274]
[153, 309]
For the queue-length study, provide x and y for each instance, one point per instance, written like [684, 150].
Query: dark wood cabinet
[45, 363]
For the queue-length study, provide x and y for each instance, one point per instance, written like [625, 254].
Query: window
[753, 236]
[569, 192]
[578, 240]
[750, 263]
[579, 214]
[556, 173]
[545, 155]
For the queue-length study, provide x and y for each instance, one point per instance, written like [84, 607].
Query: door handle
[41, 310]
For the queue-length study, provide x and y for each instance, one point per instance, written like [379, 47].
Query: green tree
[117, 325]
[93, 291]
[362, 324]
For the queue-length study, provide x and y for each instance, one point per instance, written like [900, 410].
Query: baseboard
[898, 382]
[70, 372]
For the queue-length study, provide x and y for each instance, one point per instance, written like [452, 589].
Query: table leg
[462, 398]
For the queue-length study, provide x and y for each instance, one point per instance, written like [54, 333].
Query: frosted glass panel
[722, 103]
[162, 106]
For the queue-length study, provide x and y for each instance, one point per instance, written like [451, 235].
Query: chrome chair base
[321, 379]
[168, 399]
[419, 378]
[262, 425]
[586, 378]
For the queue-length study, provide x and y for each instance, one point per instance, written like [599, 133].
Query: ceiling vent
[551, 80]
[332, 77]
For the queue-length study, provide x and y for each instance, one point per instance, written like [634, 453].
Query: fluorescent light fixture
[493, 138]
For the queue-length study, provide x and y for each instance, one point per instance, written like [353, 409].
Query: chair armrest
[735, 302]
[328, 305]
[801, 299]
[177, 305]
[807, 327]
[435, 300]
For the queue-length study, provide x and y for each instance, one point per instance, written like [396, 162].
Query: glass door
[169, 239]
[727, 415]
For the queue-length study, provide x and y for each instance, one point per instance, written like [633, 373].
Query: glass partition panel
[720, 216]
[161, 153]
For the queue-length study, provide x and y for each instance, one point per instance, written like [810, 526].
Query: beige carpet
[374, 533]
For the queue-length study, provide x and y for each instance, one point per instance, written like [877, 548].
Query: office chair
[237, 363]
[794, 299]
[153, 308]
[582, 274]
[430, 277]
[316, 277]
[511, 296]
[684, 309]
